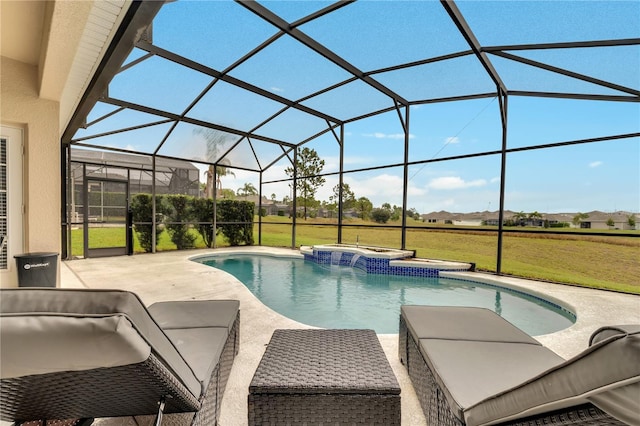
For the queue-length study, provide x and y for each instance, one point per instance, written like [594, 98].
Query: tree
[307, 167]
[247, 189]
[396, 212]
[519, 218]
[330, 208]
[364, 207]
[380, 215]
[214, 139]
[611, 223]
[577, 219]
[413, 213]
[631, 220]
[348, 197]
[227, 194]
[535, 215]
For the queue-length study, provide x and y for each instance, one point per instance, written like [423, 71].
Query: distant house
[615, 220]
[442, 217]
[271, 207]
[463, 219]
[595, 219]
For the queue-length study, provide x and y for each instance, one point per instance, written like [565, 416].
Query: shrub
[235, 221]
[202, 210]
[142, 210]
[380, 215]
[180, 213]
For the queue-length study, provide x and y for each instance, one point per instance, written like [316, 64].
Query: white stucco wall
[20, 106]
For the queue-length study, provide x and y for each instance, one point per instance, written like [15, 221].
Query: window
[3, 203]
[10, 201]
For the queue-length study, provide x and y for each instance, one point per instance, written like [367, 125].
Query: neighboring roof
[593, 216]
[116, 159]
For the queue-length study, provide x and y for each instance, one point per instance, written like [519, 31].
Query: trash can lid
[36, 254]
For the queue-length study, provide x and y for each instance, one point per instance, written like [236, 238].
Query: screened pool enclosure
[485, 107]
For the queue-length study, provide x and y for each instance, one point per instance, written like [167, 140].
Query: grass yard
[580, 259]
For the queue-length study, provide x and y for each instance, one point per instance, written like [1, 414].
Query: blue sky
[376, 34]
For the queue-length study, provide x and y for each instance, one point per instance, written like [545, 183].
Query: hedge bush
[241, 212]
[179, 216]
[178, 213]
[142, 210]
[202, 209]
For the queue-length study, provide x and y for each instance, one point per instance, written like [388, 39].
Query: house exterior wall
[21, 106]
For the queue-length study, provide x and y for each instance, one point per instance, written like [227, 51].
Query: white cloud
[383, 188]
[380, 135]
[454, 182]
[495, 179]
[452, 139]
[447, 202]
[276, 89]
[595, 164]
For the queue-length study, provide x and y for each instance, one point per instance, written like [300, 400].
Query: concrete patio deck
[172, 276]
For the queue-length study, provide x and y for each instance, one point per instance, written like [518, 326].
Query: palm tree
[519, 218]
[220, 171]
[247, 189]
[534, 216]
[214, 139]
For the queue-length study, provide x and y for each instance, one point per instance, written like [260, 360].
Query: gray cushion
[102, 302]
[34, 344]
[470, 371]
[606, 332]
[461, 323]
[195, 313]
[199, 329]
[201, 347]
[622, 402]
[612, 364]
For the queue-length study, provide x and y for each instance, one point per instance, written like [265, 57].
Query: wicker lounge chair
[471, 367]
[83, 354]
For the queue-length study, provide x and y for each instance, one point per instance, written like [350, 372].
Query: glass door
[105, 218]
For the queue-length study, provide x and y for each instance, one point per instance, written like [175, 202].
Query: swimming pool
[333, 296]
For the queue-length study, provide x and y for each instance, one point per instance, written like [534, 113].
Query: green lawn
[579, 258]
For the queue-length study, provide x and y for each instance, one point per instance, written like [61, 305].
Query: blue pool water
[332, 296]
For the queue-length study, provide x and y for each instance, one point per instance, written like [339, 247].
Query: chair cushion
[201, 347]
[35, 344]
[604, 333]
[599, 372]
[199, 329]
[470, 371]
[461, 323]
[195, 313]
[102, 302]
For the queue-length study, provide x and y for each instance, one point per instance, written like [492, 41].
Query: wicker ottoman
[324, 376]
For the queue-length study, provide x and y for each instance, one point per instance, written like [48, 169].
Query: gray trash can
[37, 269]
